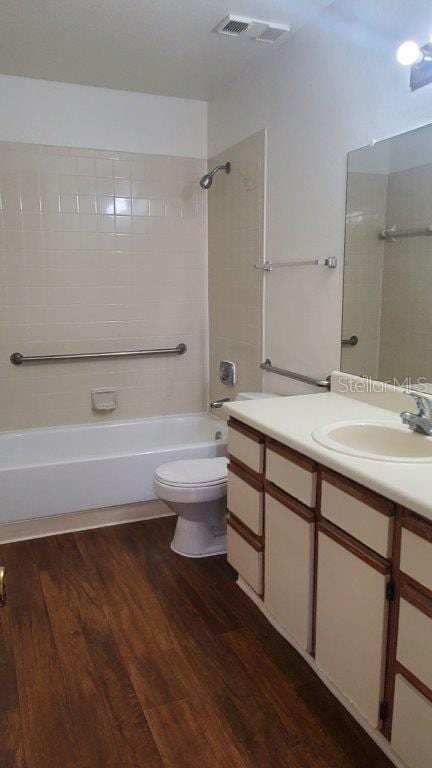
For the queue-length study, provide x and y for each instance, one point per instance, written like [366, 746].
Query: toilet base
[194, 538]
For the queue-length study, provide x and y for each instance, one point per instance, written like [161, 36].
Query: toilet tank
[255, 395]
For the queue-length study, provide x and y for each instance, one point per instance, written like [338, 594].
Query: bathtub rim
[121, 453]
[118, 423]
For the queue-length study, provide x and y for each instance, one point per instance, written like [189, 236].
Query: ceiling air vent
[254, 29]
[232, 26]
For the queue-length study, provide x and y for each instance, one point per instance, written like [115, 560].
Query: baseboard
[81, 521]
[377, 737]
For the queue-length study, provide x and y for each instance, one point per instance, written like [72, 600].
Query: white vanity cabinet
[351, 619]
[289, 547]
[346, 575]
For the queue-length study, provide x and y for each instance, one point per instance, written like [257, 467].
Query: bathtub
[59, 470]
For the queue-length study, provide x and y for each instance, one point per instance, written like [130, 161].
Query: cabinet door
[412, 725]
[289, 567]
[351, 620]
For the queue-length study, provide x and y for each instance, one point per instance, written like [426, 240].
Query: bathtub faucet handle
[219, 403]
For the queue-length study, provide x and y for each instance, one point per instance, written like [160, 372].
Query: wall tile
[80, 270]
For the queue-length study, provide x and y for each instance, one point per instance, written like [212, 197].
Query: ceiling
[153, 46]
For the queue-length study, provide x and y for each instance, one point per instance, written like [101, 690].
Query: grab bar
[392, 234]
[268, 266]
[269, 368]
[351, 342]
[18, 359]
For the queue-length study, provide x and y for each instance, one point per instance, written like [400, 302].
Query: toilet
[196, 490]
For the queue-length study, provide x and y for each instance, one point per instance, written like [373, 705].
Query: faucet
[422, 420]
[219, 403]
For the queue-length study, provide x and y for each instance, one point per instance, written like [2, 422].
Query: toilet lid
[195, 472]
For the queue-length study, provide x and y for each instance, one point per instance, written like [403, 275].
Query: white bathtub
[47, 472]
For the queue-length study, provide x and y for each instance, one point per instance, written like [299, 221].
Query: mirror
[387, 306]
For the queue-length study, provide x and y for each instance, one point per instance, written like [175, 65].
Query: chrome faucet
[422, 420]
[219, 403]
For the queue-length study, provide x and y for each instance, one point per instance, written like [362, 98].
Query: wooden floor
[117, 653]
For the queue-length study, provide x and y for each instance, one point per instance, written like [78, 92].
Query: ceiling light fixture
[409, 54]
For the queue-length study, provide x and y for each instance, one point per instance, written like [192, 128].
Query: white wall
[333, 87]
[42, 112]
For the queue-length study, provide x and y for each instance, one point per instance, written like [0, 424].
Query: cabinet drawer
[246, 445]
[245, 499]
[412, 725]
[289, 566]
[359, 512]
[416, 550]
[292, 472]
[414, 645]
[245, 555]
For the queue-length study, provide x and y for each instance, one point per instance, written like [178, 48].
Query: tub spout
[219, 403]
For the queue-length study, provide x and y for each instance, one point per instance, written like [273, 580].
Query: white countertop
[291, 420]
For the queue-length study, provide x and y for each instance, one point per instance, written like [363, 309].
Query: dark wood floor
[117, 653]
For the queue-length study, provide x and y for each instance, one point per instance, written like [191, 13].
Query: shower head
[207, 180]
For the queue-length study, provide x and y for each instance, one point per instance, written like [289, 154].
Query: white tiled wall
[236, 220]
[100, 251]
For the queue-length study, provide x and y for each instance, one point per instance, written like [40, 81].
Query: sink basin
[377, 440]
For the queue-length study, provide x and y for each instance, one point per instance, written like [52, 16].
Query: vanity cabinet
[346, 575]
[351, 618]
[289, 547]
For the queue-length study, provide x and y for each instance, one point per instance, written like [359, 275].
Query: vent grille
[234, 27]
[254, 29]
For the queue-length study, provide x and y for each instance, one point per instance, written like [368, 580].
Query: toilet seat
[195, 473]
[189, 494]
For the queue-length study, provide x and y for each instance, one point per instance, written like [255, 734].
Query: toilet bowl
[196, 491]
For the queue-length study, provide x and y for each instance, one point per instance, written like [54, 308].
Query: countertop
[291, 420]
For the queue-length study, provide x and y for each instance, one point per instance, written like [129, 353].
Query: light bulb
[409, 53]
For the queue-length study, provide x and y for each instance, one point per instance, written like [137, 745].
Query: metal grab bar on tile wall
[18, 359]
[268, 266]
[351, 342]
[269, 368]
[392, 234]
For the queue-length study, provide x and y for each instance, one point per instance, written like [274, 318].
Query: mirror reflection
[387, 310]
